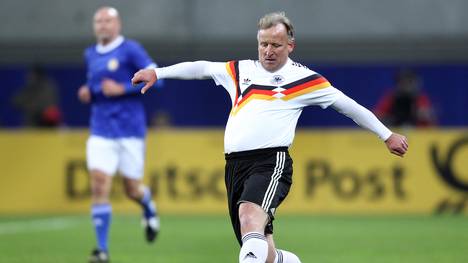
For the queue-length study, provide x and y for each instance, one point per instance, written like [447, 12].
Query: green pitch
[207, 239]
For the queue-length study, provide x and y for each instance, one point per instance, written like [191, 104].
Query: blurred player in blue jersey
[118, 126]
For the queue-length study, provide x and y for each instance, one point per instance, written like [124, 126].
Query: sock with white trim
[254, 248]
[101, 215]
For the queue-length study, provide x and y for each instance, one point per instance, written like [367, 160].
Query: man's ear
[291, 46]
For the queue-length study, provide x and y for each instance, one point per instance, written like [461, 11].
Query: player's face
[106, 25]
[274, 47]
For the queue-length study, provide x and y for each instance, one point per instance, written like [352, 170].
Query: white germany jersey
[265, 105]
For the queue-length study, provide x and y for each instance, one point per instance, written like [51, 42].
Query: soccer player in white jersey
[118, 126]
[267, 96]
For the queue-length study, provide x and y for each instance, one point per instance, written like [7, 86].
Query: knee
[100, 186]
[252, 218]
[247, 221]
[132, 193]
[133, 190]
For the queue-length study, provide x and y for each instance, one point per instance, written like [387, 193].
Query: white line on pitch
[36, 225]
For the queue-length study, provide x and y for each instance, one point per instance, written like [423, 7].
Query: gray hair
[272, 19]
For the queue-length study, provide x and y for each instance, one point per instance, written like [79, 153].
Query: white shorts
[125, 155]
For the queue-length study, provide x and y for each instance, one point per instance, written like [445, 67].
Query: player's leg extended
[279, 255]
[253, 220]
[131, 166]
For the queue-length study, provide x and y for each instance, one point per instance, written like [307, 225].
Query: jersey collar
[101, 49]
[288, 62]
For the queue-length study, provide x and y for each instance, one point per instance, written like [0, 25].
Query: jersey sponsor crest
[277, 79]
[113, 64]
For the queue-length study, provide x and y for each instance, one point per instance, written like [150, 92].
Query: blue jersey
[122, 116]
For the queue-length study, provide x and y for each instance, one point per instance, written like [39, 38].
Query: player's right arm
[184, 70]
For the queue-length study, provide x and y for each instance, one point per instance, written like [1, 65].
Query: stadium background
[358, 46]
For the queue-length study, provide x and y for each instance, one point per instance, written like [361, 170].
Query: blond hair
[275, 18]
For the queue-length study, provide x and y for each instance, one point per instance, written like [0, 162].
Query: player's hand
[111, 88]
[84, 95]
[397, 144]
[147, 76]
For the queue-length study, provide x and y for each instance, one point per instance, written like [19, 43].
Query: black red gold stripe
[233, 70]
[291, 90]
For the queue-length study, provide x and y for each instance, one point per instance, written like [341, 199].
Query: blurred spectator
[37, 99]
[406, 104]
[161, 119]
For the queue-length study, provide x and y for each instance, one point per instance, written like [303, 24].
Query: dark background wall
[195, 103]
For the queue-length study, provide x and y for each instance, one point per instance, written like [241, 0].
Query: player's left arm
[396, 143]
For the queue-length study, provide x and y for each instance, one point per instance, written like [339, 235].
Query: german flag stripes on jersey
[266, 105]
[272, 92]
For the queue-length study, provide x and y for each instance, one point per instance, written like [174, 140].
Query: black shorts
[262, 176]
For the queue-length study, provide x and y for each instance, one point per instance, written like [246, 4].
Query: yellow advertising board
[335, 171]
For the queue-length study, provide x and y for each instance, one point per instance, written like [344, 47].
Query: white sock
[254, 248]
[283, 256]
